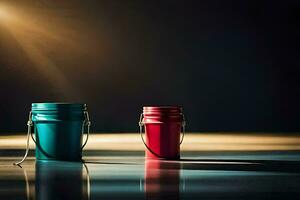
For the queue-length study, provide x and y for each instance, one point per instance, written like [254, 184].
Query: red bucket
[163, 125]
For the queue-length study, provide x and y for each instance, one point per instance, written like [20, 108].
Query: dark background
[232, 65]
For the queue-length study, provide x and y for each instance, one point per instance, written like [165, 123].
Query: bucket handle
[141, 124]
[29, 126]
[86, 122]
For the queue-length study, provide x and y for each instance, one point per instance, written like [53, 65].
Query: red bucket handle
[141, 124]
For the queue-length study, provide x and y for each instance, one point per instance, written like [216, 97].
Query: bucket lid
[162, 109]
[58, 106]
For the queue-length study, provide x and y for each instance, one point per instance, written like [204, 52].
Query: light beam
[37, 38]
[55, 39]
[3, 13]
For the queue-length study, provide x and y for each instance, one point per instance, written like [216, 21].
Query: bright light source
[3, 13]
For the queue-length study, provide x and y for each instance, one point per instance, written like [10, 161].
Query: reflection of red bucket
[162, 180]
[162, 129]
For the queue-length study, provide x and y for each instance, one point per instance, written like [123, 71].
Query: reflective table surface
[125, 174]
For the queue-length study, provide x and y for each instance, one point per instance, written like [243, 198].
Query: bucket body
[58, 130]
[162, 131]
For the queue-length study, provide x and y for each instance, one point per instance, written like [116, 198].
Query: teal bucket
[58, 130]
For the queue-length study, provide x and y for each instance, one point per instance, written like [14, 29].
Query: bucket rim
[57, 106]
[162, 109]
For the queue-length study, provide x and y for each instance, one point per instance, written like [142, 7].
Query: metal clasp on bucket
[86, 122]
[141, 124]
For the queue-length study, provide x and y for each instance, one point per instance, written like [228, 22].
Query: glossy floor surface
[239, 167]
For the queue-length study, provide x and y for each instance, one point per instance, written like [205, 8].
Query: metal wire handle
[29, 125]
[86, 122]
[141, 124]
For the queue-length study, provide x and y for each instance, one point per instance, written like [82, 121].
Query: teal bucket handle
[86, 122]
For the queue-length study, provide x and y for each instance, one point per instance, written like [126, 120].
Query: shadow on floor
[233, 165]
[285, 166]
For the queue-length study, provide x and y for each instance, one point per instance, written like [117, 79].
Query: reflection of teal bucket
[59, 180]
[58, 129]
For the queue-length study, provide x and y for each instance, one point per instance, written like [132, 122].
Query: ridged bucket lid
[58, 106]
[162, 109]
